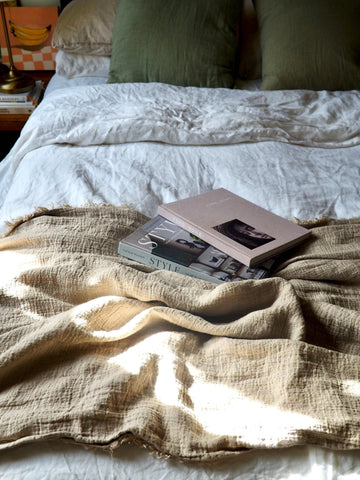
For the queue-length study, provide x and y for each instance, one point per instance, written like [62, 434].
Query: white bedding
[147, 144]
[296, 153]
[70, 65]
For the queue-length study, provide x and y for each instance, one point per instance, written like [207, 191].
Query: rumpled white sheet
[146, 144]
[52, 460]
[126, 113]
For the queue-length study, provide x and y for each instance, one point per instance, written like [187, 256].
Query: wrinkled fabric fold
[143, 112]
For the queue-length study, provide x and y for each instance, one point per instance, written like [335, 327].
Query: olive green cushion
[310, 44]
[180, 42]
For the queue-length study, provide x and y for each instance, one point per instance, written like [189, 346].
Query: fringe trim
[12, 225]
[324, 221]
[132, 440]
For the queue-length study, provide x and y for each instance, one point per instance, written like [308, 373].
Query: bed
[193, 380]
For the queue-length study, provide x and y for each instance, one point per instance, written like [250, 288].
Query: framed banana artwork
[30, 31]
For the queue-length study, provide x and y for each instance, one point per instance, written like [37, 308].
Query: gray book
[161, 244]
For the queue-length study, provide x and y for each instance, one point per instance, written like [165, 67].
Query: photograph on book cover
[234, 225]
[30, 32]
[244, 233]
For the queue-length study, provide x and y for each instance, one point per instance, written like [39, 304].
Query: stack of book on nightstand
[216, 236]
[21, 103]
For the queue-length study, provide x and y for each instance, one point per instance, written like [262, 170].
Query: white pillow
[72, 65]
[85, 27]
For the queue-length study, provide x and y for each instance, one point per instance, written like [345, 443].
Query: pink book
[234, 225]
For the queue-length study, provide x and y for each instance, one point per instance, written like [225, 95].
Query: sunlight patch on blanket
[133, 358]
[13, 265]
[218, 408]
[111, 318]
[224, 410]
[351, 387]
[85, 314]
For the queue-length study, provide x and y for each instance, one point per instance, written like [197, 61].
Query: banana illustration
[30, 38]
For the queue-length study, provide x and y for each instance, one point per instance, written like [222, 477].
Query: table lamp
[11, 80]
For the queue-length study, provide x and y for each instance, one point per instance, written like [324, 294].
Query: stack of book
[21, 103]
[216, 236]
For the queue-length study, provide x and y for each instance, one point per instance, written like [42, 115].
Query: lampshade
[11, 80]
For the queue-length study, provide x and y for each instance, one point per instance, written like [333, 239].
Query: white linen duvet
[296, 153]
[293, 152]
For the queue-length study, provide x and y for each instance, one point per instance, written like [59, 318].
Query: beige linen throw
[99, 350]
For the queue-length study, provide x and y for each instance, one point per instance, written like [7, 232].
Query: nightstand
[11, 124]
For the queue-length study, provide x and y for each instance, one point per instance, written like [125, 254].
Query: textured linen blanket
[100, 350]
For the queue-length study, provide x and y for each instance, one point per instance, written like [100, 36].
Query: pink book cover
[234, 225]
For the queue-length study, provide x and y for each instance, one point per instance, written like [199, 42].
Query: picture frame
[30, 32]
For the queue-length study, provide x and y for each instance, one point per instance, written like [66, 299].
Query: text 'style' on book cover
[243, 230]
[165, 246]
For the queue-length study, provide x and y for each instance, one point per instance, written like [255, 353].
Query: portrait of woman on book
[244, 234]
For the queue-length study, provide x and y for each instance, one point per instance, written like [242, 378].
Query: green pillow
[180, 42]
[310, 44]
